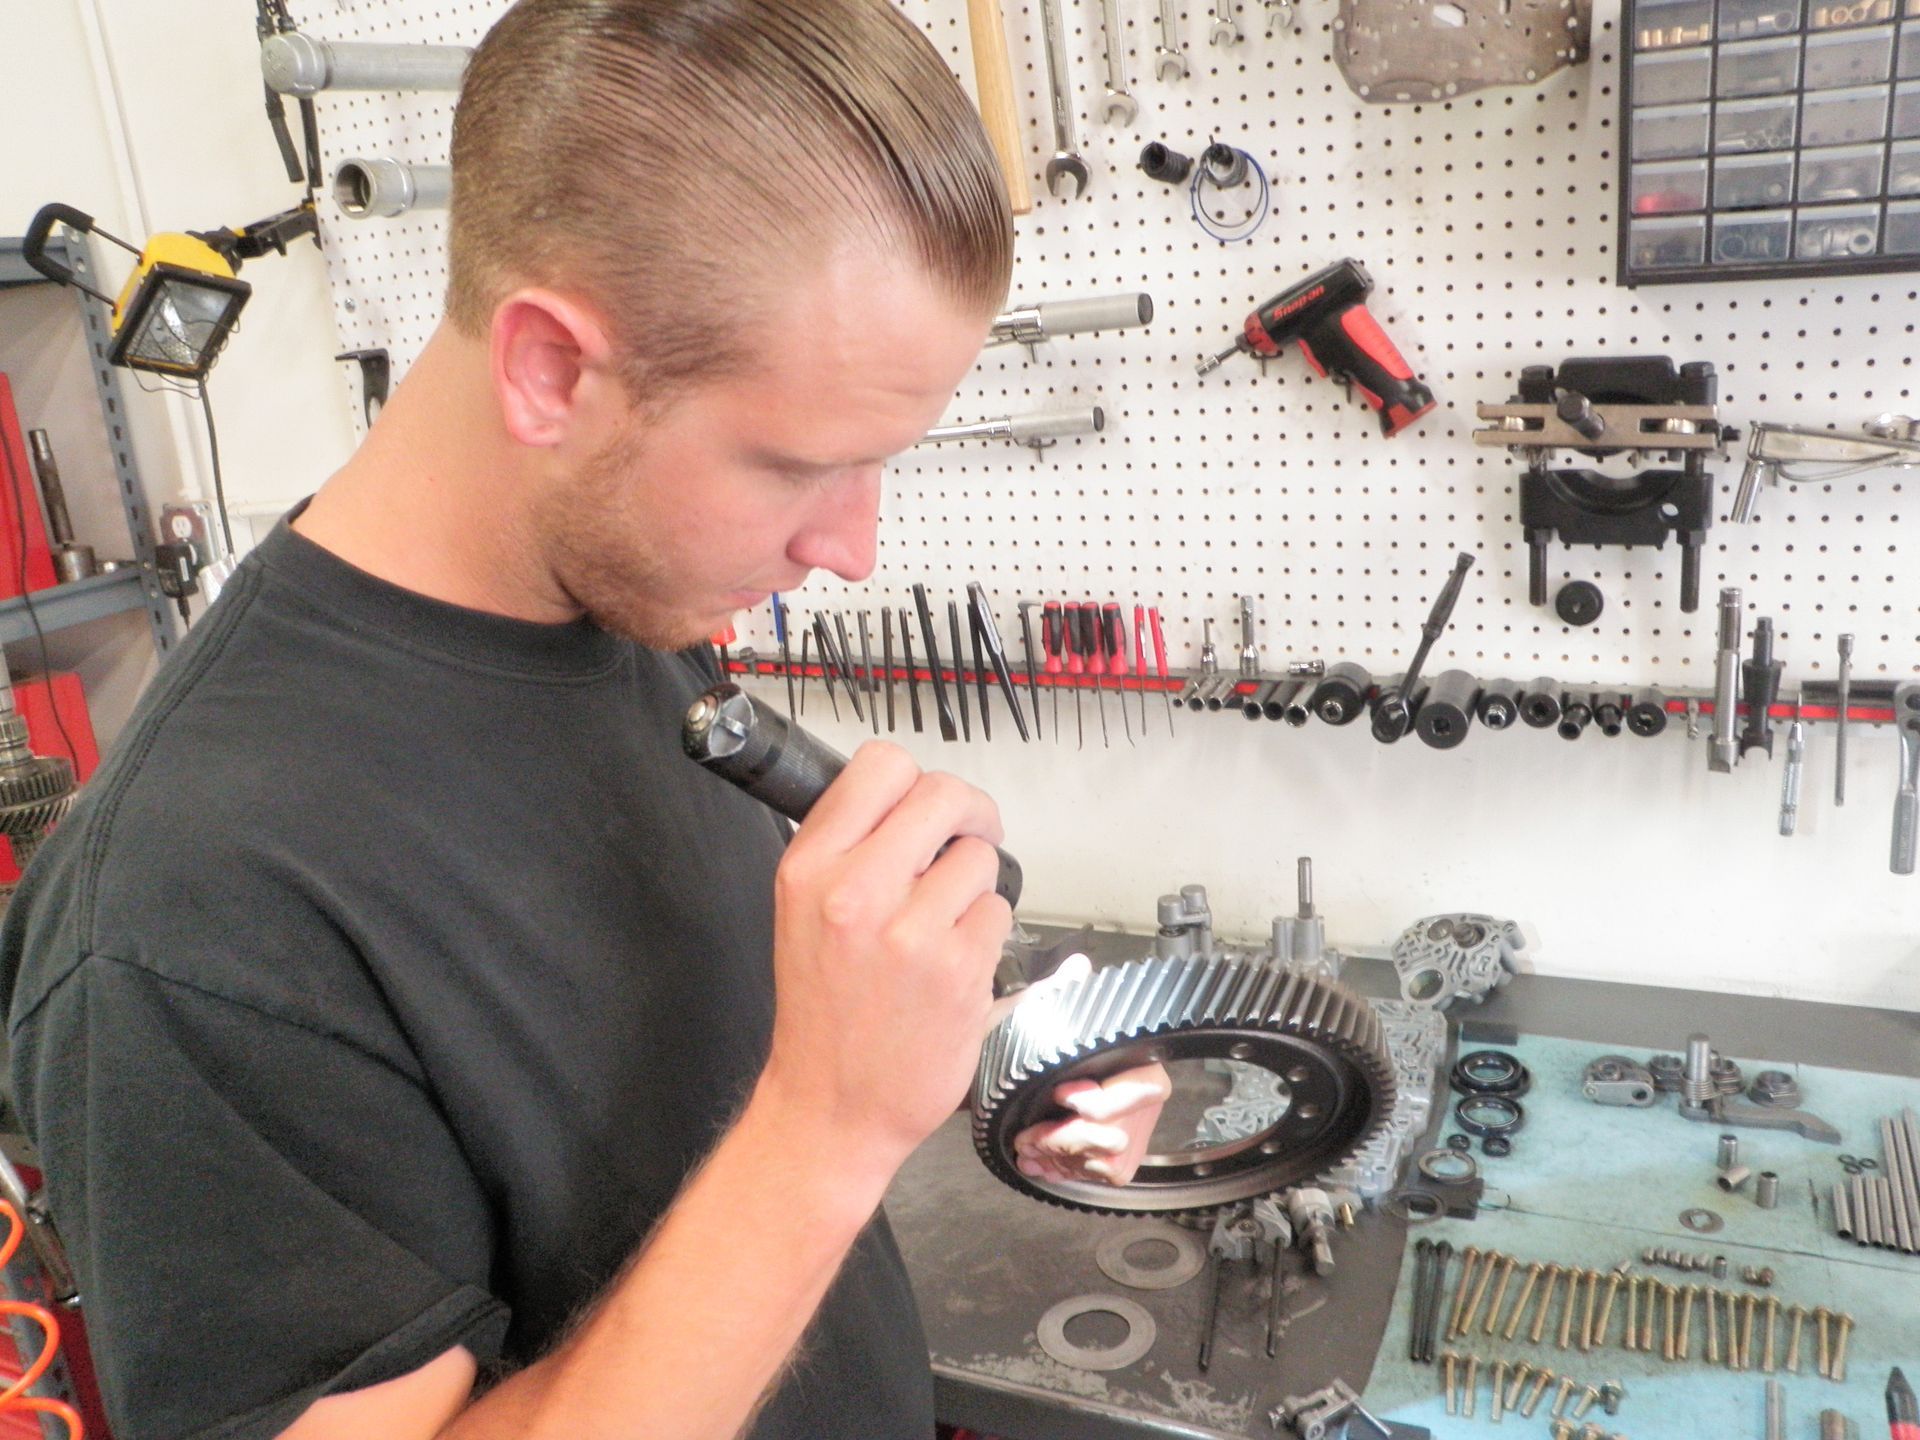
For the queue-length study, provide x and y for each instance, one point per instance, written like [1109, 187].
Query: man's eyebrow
[780, 460]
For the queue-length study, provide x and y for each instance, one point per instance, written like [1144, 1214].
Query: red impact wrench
[1326, 315]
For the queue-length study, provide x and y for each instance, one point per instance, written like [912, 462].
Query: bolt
[1606, 1306]
[1473, 1384]
[1589, 1394]
[1586, 1323]
[1839, 1372]
[1448, 1379]
[1540, 1384]
[1612, 1392]
[1670, 1337]
[1500, 1293]
[1632, 1339]
[1497, 1407]
[1572, 1307]
[1823, 1354]
[1713, 1327]
[1654, 1289]
[1468, 1259]
[1562, 1430]
[1546, 1304]
[1561, 1396]
[1526, 1294]
[1480, 1291]
[1793, 1339]
[1592, 1431]
[1686, 1322]
[1773, 1319]
[1521, 1371]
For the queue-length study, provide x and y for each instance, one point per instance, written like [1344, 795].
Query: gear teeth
[1141, 1000]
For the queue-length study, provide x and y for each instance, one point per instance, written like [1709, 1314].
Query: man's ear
[545, 350]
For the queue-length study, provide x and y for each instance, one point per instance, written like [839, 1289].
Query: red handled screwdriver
[1113, 637]
[1091, 648]
[1053, 629]
[1075, 668]
[1160, 662]
[1140, 661]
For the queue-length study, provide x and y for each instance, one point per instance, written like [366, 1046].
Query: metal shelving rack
[137, 586]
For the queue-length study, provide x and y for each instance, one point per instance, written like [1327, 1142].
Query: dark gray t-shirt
[378, 996]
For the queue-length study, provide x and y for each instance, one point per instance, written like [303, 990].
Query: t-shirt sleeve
[258, 1214]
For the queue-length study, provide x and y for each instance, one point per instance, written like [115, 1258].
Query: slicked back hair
[667, 158]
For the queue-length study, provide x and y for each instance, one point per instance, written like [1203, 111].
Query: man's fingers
[1117, 1095]
[876, 780]
[953, 884]
[1072, 1138]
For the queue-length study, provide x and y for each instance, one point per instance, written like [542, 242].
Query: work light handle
[33, 249]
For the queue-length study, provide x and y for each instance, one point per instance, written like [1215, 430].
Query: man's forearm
[685, 1343]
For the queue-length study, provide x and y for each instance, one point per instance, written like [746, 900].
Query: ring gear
[1324, 1040]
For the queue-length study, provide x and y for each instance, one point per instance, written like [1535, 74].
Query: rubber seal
[1485, 1115]
[1448, 1167]
[1491, 1072]
[1459, 1142]
[1051, 1332]
[1498, 1146]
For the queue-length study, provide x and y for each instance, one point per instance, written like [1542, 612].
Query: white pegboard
[1488, 224]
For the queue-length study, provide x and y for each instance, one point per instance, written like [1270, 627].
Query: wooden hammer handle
[993, 77]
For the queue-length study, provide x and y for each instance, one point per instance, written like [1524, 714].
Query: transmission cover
[1411, 50]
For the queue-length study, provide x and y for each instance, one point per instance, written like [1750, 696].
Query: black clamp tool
[1394, 706]
[1611, 406]
[1759, 689]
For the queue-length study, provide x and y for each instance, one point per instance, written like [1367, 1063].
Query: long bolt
[1713, 1327]
[1546, 1304]
[1589, 1396]
[1686, 1322]
[1632, 1339]
[1500, 1293]
[1822, 1353]
[1447, 1361]
[1586, 1323]
[1473, 1384]
[1572, 1307]
[1526, 1294]
[1648, 1315]
[1469, 1258]
[1773, 1317]
[1479, 1293]
[1793, 1339]
[1539, 1388]
[1776, 1411]
[1839, 1370]
[1497, 1407]
[1606, 1307]
[1561, 1396]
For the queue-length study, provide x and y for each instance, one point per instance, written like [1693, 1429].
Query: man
[417, 1044]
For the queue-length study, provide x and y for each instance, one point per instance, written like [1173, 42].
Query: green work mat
[1594, 1185]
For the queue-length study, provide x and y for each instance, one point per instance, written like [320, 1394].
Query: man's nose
[840, 534]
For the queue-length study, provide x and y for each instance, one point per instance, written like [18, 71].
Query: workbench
[987, 1262]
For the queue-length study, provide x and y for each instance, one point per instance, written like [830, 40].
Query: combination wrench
[1066, 164]
[1119, 107]
[1279, 15]
[1169, 60]
[1226, 29]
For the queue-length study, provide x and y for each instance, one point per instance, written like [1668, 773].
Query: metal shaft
[1722, 747]
[1840, 721]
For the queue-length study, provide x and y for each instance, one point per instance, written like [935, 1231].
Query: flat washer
[1448, 1167]
[1189, 1260]
[1702, 1222]
[1415, 1207]
[1052, 1332]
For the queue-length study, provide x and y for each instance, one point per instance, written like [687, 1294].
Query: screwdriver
[1140, 661]
[826, 659]
[1026, 645]
[1075, 668]
[1160, 662]
[959, 669]
[942, 709]
[979, 671]
[1052, 628]
[786, 655]
[1113, 637]
[866, 667]
[806, 646]
[886, 658]
[1096, 665]
[990, 636]
[913, 675]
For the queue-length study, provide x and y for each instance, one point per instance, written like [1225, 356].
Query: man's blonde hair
[665, 157]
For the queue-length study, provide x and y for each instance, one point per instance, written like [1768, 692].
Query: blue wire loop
[1244, 229]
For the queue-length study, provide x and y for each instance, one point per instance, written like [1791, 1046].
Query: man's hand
[1105, 1135]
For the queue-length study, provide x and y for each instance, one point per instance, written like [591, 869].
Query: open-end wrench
[1279, 15]
[1119, 107]
[1906, 800]
[1169, 60]
[1226, 29]
[1066, 172]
